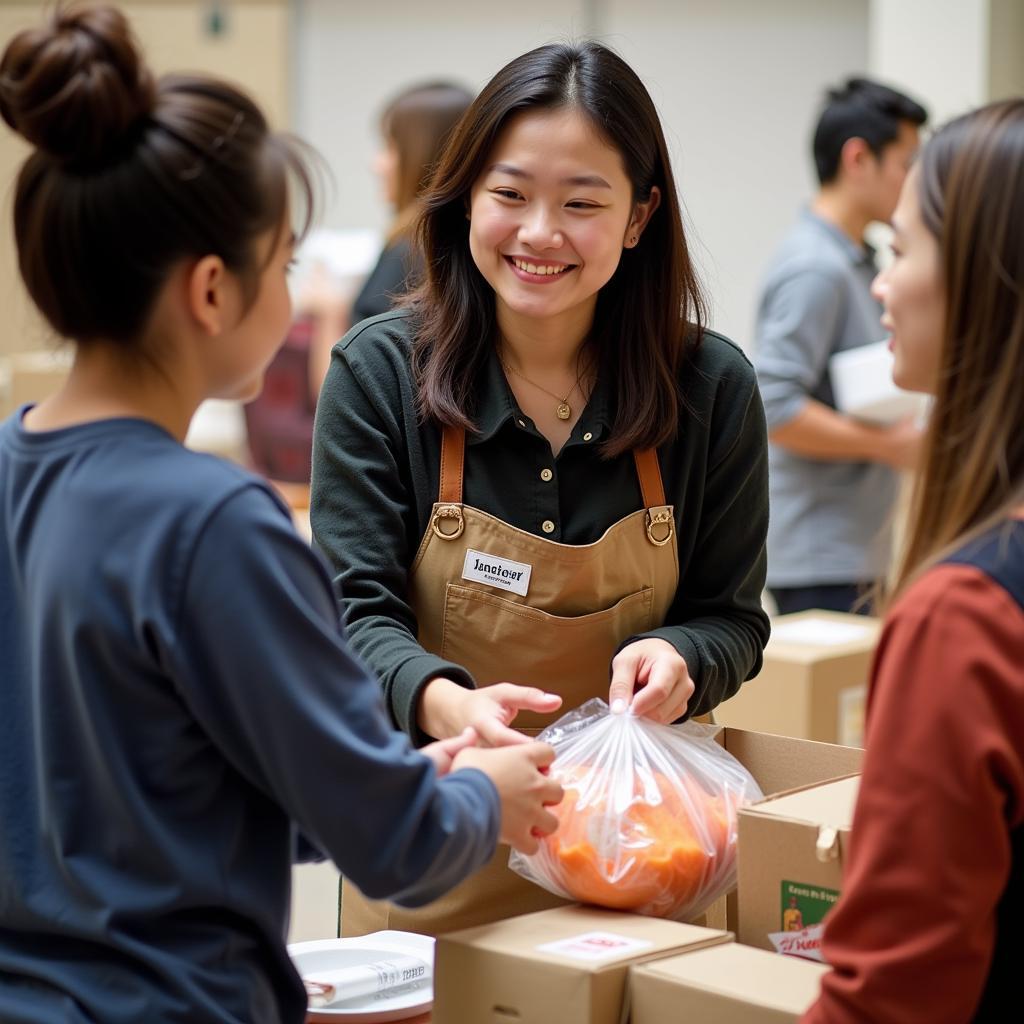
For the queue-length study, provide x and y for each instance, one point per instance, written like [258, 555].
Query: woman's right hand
[447, 708]
[520, 775]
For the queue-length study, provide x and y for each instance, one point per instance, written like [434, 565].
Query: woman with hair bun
[933, 885]
[180, 713]
[544, 481]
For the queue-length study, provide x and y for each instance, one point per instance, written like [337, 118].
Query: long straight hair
[971, 189]
[649, 316]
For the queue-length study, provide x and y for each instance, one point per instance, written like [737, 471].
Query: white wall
[954, 54]
[352, 56]
[936, 49]
[737, 83]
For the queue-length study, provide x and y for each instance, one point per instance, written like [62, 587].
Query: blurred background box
[563, 966]
[790, 860]
[863, 386]
[726, 984]
[813, 683]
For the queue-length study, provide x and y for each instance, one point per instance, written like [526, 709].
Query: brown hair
[971, 189]
[130, 174]
[649, 316]
[418, 122]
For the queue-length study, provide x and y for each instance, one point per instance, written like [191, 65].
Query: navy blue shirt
[176, 698]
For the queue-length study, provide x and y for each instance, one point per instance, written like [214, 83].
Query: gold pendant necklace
[563, 410]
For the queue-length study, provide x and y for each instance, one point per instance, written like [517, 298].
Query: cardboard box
[727, 984]
[813, 683]
[863, 387]
[563, 966]
[780, 764]
[790, 863]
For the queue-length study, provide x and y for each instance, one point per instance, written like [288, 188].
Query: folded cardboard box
[563, 966]
[726, 984]
[863, 387]
[813, 683]
[790, 865]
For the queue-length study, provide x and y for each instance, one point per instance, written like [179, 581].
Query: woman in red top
[935, 872]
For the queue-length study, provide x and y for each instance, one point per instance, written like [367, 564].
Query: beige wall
[252, 50]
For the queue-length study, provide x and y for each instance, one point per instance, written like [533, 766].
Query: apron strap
[649, 473]
[453, 454]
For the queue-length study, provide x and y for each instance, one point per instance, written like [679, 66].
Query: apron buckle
[443, 513]
[659, 525]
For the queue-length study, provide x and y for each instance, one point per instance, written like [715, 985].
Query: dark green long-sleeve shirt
[375, 479]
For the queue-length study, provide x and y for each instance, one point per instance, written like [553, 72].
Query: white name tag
[497, 572]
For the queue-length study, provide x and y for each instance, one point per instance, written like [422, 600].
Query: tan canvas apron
[581, 603]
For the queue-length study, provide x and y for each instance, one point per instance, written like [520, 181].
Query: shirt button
[547, 526]
[588, 436]
[546, 475]
[521, 423]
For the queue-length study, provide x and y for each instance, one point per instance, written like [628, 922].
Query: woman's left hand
[650, 676]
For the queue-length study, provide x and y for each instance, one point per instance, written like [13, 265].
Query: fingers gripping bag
[648, 822]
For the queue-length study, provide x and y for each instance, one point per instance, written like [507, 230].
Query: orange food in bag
[654, 856]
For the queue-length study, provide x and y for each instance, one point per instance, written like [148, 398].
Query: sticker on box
[595, 946]
[804, 905]
[850, 718]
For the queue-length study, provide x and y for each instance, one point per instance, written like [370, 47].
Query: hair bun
[77, 88]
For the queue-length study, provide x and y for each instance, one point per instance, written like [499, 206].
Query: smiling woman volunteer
[544, 466]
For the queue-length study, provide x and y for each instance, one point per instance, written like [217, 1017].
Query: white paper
[370, 979]
[819, 632]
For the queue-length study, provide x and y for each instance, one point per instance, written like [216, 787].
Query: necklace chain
[564, 409]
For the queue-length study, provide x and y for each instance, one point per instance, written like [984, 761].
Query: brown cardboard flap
[826, 803]
[781, 763]
[520, 936]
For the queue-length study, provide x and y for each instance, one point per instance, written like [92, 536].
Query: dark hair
[418, 121]
[648, 316]
[130, 175]
[860, 109]
[971, 191]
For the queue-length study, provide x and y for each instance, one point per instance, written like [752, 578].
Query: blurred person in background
[925, 931]
[833, 479]
[414, 128]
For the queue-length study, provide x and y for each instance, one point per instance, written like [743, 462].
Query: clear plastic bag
[648, 822]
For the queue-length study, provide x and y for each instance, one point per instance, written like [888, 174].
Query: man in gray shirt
[833, 479]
